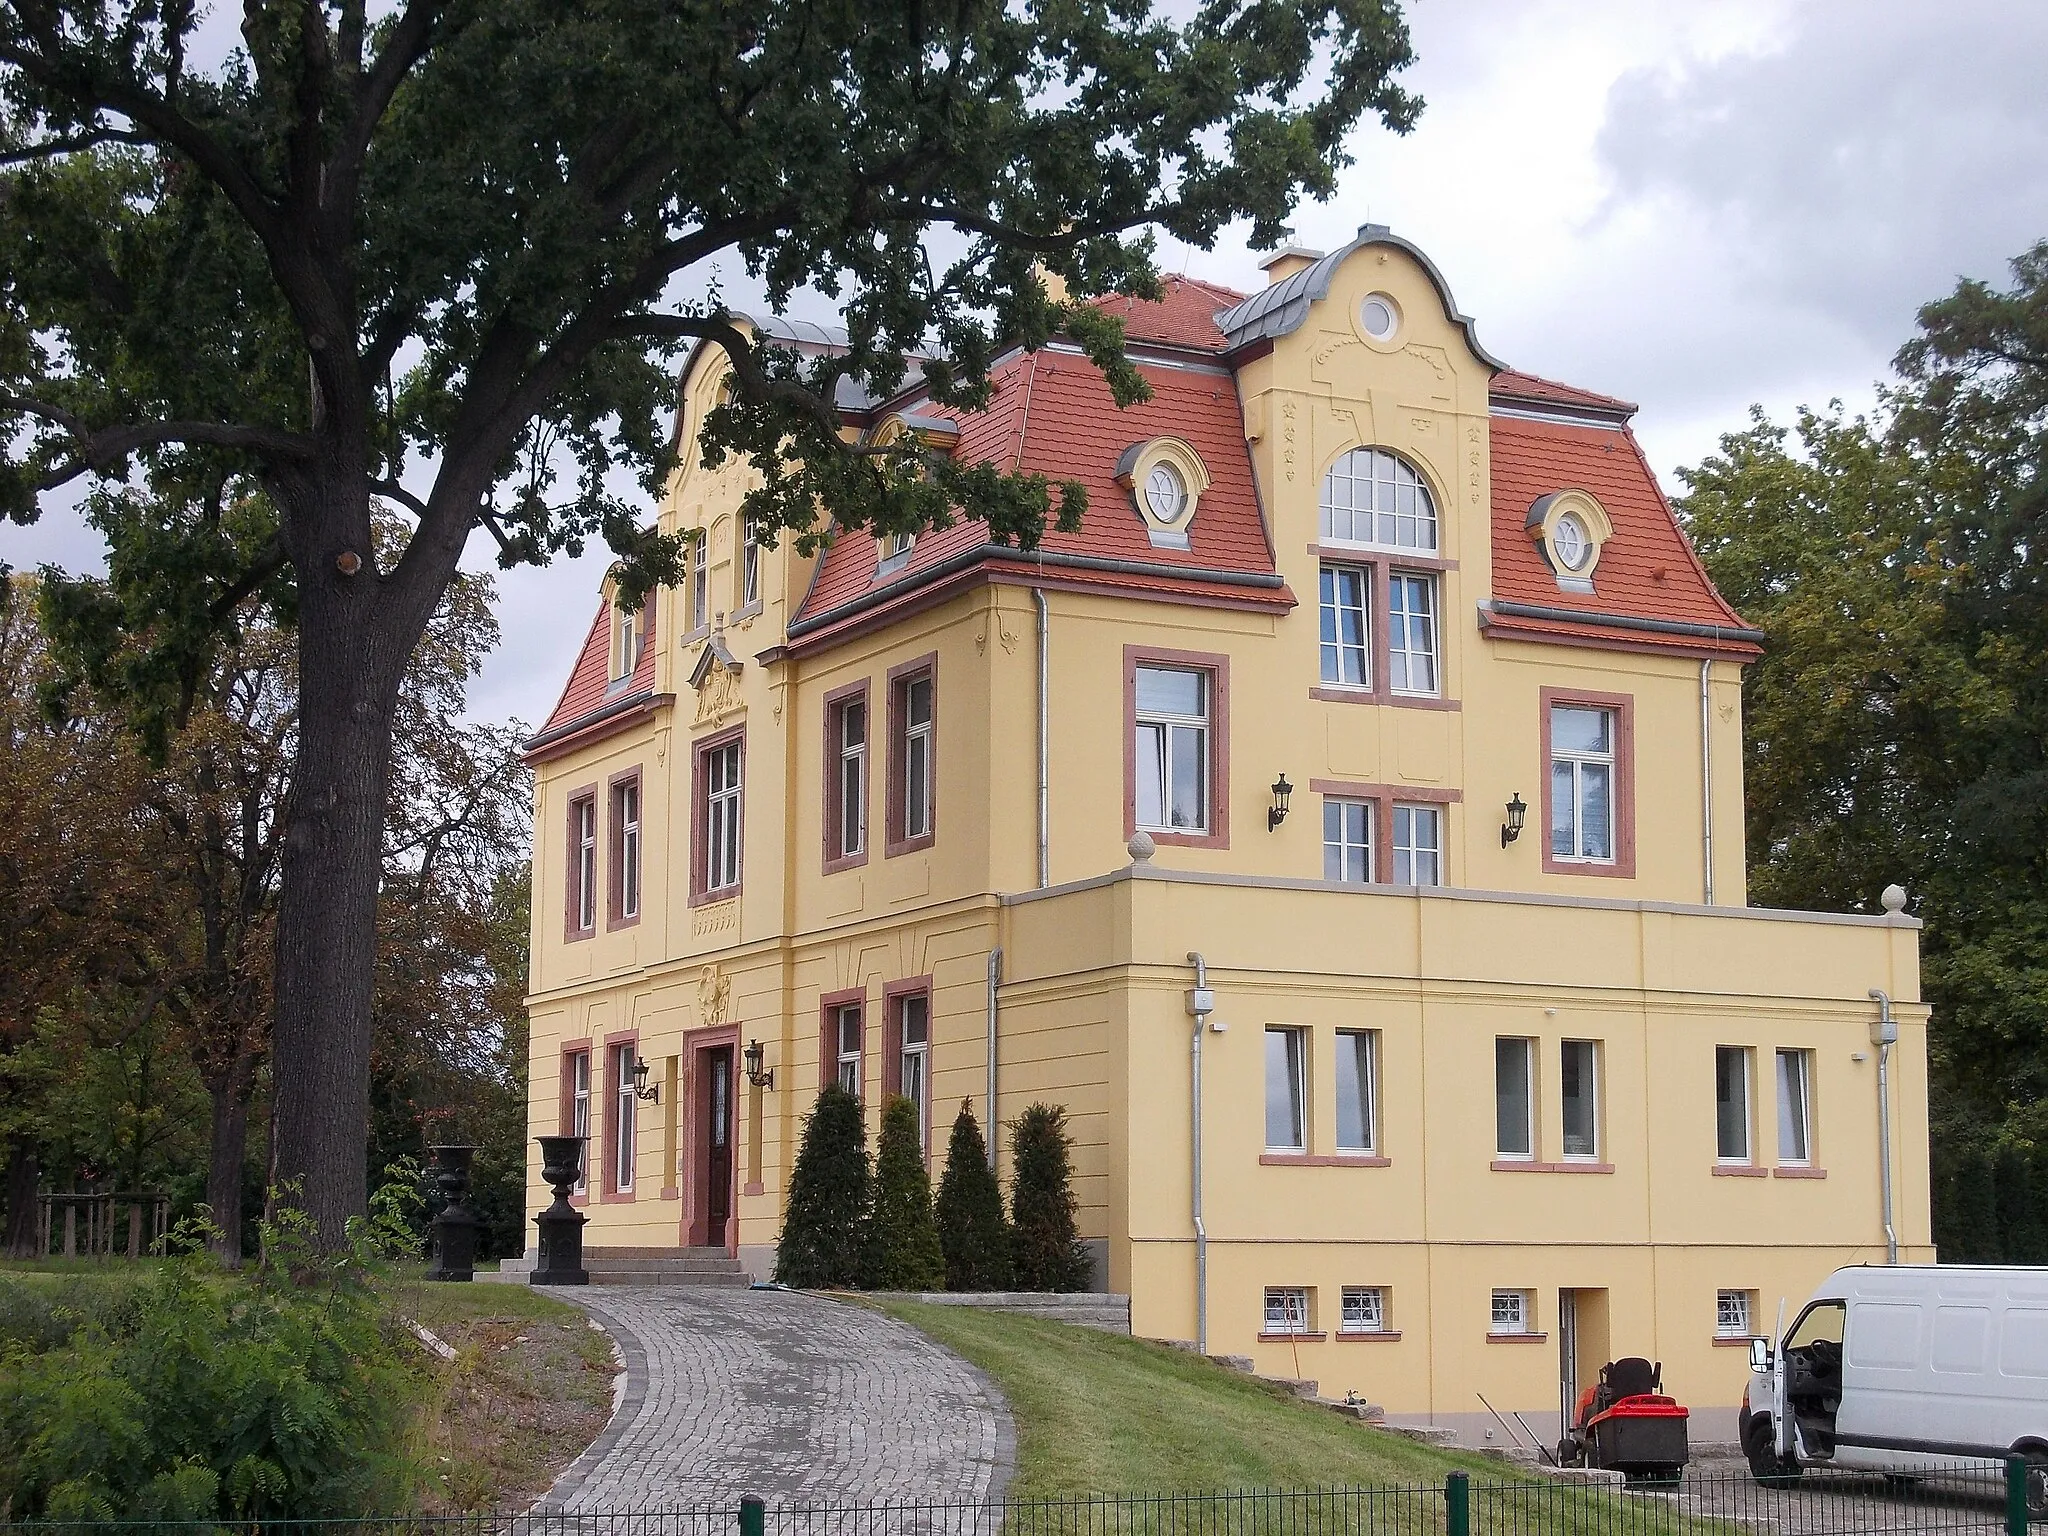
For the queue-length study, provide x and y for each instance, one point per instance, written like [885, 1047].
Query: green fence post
[2016, 1495]
[753, 1517]
[1458, 1505]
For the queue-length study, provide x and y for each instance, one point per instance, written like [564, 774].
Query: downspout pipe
[1706, 785]
[1201, 1003]
[1884, 1034]
[1044, 739]
[995, 979]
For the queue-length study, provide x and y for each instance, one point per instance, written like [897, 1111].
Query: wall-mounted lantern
[649, 1093]
[1517, 814]
[1282, 793]
[757, 1074]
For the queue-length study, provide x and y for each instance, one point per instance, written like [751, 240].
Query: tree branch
[99, 448]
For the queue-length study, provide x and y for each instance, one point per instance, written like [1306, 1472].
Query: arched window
[1371, 496]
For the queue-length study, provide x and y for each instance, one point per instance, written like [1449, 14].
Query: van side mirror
[1759, 1354]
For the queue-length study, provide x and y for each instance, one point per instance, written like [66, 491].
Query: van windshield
[1822, 1320]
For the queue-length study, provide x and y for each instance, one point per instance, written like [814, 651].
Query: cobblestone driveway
[791, 1397]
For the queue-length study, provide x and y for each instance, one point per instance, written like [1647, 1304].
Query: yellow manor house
[1345, 826]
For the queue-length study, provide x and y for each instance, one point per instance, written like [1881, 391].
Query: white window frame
[917, 754]
[852, 785]
[723, 767]
[1384, 477]
[1289, 1309]
[626, 800]
[1363, 1309]
[750, 567]
[1512, 1313]
[892, 552]
[1415, 864]
[626, 637]
[846, 1059]
[1745, 1061]
[1337, 653]
[1345, 859]
[1414, 635]
[627, 1107]
[586, 863]
[1803, 1123]
[1164, 726]
[1589, 1094]
[913, 1066]
[1529, 1123]
[1294, 1063]
[1359, 1048]
[700, 581]
[579, 1114]
[1579, 760]
[1732, 1313]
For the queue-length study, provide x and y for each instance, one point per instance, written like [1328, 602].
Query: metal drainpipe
[995, 977]
[1706, 787]
[1883, 1036]
[1200, 1002]
[1044, 741]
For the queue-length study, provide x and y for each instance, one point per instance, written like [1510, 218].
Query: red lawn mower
[1624, 1422]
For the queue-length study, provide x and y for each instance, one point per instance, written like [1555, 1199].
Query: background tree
[903, 1242]
[426, 255]
[973, 1236]
[825, 1222]
[1045, 1243]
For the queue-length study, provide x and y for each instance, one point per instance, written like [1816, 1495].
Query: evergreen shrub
[903, 1241]
[825, 1224]
[1045, 1244]
[973, 1234]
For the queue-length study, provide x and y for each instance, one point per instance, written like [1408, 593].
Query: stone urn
[455, 1224]
[561, 1224]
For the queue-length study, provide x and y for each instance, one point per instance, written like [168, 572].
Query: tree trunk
[349, 669]
[24, 1173]
[224, 1164]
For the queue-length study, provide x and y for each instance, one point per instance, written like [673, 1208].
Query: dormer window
[629, 638]
[1166, 494]
[894, 552]
[1570, 529]
[1166, 479]
[1570, 542]
[1375, 498]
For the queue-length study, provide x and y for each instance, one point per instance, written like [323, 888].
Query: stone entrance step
[664, 1266]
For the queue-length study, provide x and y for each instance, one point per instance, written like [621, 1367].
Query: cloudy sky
[1696, 204]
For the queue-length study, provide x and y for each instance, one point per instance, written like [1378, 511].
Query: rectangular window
[847, 1043]
[1514, 1097]
[626, 1104]
[1795, 1106]
[1582, 763]
[1285, 1091]
[1411, 633]
[1365, 1309]
[720, 775]
[1580, 1098]
[846, 802]
[1357, 1090]
[1511, 1312]
[1348, 840]
[750, 568]
[628, 641]
[1172, 749]
[913, 1075]
[626, 845]
[1418, 845]
[700, 580]
[583, 863]
[1346, 651]
[1731, 1103]
[579, 1113]
[1288, 1310]
[917, 756]
[1731, 1314]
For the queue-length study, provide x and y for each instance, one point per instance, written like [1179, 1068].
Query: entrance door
[1581, 1347]
[716, 1079]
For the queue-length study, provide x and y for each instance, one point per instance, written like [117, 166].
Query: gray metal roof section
[1281, 308]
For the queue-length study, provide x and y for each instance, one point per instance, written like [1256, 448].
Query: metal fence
[1963, 1497]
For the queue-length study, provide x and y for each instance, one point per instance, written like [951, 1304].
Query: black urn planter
[455, 1226]
[561, 1224]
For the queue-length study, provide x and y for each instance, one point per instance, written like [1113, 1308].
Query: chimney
[1287, 261]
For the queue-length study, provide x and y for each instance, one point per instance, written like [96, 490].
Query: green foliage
[1045, 1244]
[903, 1242]
[973, 1234]
[825, 1223]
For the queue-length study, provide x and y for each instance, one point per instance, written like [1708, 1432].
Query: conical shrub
[973, 1235]
[1045, 1246]
[903, 1241]
[824, 1225]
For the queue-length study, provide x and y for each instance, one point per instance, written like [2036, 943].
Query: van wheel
[2037, 1483]
[1765, 1464]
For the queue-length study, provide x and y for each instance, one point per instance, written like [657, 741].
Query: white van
[1905, 1369]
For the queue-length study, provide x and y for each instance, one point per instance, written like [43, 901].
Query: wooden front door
[716, 1085]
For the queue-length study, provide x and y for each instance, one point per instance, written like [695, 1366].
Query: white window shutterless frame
[1510, 1313]
[627, 806]
[1286, 1091]
[1412, 655]
[1171, 749]
[1795, 1107]
[1287, 1309]
[1348, 841]
[1373, 497]
[917, 756]
[1732, 1074]
[1514, 1096]
[1357, 1090]
[579, 1114]
[1346, 633]
[626, 1113]
[750, 569]
[913, 1077]
[853, 778]
[846, 1032]
[700, 581]
[1582, 769]
[1579, 1064]
[722, 817]
[1418, 845]
[1364, 1309]
[586, 863]
[1731, 1314]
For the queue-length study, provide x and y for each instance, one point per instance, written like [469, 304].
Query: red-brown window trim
[1217, 666]
[835, 703]
[615, 850]
[893, 995]
[572, 873]
[829, 1005]
[898, 681]
[608, 1191]
[1623, 866]
[700, 852]
[1384, 797]
[1379, 565]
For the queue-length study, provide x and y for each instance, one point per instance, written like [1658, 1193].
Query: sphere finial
[1141, 848]
[1894, 899]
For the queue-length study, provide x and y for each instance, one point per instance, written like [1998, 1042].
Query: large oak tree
[432, 253]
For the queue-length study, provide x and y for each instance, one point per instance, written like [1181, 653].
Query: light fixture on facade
[759, 1076]
[1517, 814]
[1282, 793]
[641, 1088]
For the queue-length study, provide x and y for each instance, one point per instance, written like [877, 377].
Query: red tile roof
[1513, 384]
[1184, 316]
[1646, 571]
[589, 689]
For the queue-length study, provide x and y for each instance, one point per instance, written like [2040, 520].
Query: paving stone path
[790, 1397]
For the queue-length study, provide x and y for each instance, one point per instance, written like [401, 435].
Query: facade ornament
[714, 995]
[716, 677]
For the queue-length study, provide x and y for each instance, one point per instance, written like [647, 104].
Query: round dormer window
[1378, 316]
[1166, 494]
[1570, 542]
